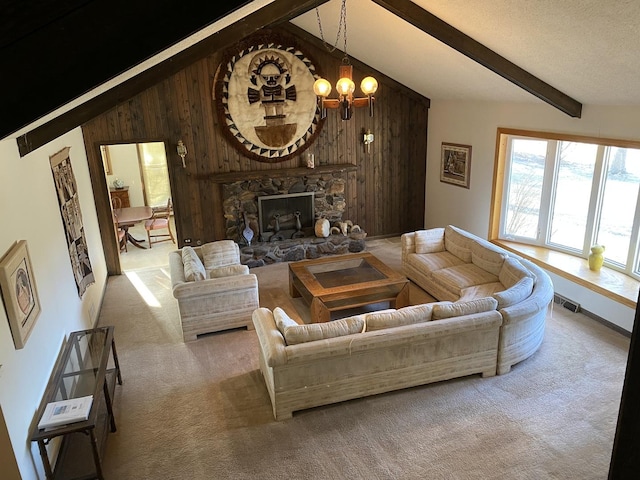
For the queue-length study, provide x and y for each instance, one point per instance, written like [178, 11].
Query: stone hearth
[266, 253]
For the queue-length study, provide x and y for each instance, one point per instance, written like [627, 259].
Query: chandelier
[345, 85]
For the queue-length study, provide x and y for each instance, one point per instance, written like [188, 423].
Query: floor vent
[566, 303]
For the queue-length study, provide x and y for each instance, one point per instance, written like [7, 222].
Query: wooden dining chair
[160, 221]
[121, 234]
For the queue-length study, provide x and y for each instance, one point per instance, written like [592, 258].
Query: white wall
[476, 124]
[29, 210]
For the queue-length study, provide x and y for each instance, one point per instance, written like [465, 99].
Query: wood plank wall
[386, 192]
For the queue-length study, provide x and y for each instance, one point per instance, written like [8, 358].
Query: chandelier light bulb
[345, 86]
[369, 85]
[322, 87]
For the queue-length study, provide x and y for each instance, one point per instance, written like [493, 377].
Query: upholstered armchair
[214, 291]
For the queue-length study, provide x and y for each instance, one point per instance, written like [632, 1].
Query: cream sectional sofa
[317, 364]
[455, 265]
[214, 291]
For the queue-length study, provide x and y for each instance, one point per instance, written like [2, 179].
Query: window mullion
[634, 255]
[548, 189]
[506, 188]
[595, 200]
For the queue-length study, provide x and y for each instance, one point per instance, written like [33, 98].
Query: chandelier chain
[342, 29]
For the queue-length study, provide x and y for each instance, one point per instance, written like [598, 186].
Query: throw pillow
[398, 318]
[521, 290]
[294, 333]
[193, 268]
[228, 271]
[220, 254]
[429, 241]
[478, 305]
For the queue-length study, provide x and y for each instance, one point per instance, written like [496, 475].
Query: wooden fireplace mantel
[231, 177]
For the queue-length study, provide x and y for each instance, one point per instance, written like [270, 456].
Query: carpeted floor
[201, 410]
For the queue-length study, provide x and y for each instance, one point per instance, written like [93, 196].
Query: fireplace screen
[286, 216]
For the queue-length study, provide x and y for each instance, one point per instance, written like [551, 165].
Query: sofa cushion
[397, 318]
[219, 254]
[432, 261]
[462, 276]
[457, 243]
[515, 294]
[429, 241]
[487, 257]
[458, 309]
[480, 291]
[512, 272]
[228, 271]
[193, 267]
[294, 333]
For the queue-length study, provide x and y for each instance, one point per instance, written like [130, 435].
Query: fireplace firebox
[290, 215]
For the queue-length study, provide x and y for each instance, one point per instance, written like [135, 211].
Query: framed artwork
[19, 292]
[67, 188]
[263, 94]
[455, 164]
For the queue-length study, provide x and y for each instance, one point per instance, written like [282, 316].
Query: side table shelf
[82, 369]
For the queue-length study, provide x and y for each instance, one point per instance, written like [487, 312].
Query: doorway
[137, 175]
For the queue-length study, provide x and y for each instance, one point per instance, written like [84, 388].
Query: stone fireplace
[319, 195]
[324, 195]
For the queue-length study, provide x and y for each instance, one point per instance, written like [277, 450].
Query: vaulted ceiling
[58, 55]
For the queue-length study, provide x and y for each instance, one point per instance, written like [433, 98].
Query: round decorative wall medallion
[264, 97]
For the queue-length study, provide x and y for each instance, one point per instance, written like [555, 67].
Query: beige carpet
[201, 410]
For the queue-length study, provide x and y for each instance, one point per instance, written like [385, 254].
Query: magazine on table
[64, 412]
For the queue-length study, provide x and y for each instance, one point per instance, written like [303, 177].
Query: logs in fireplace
[286, 216]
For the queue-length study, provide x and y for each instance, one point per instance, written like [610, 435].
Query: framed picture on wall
[455, 164]
[19, 292]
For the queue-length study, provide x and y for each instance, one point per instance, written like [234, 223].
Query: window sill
[610, 283]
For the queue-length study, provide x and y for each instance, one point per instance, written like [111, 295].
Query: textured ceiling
[588, 49]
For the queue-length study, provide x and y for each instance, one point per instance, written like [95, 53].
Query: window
[153, 166]
[570, 193]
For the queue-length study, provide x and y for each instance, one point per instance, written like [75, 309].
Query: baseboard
[576, 308]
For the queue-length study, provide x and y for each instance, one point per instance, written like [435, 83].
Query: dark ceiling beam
[59, 51]
[270, 15]
[442, 31]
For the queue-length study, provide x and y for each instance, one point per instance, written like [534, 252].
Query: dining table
[127, 217]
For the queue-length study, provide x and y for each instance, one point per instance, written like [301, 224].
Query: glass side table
[84, 367]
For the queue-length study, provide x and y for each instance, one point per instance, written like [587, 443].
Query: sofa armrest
[408, 245]
[214, 286]
[176, 268]
[272, 342]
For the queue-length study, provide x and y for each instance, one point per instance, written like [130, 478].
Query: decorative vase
[247, 233]
[117, 183]
[323, 228]
[596, 258]
[298, 222]
[311, 160]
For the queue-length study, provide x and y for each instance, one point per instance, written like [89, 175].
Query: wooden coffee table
[330, 284]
